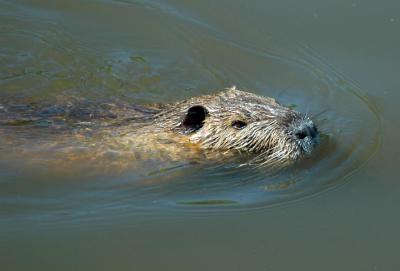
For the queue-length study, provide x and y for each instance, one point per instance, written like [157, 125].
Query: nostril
[300, 135]
[308, 131]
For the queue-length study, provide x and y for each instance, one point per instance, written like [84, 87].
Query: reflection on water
[148, 53]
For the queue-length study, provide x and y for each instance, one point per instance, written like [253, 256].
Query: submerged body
[229, 122]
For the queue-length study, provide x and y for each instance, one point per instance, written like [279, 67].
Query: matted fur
[200, 128]
[270, 130]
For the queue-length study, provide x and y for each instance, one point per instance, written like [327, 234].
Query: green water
[334, 211]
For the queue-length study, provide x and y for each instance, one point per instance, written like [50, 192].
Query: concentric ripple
[50, 62]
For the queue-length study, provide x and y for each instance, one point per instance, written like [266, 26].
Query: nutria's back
[231, 121]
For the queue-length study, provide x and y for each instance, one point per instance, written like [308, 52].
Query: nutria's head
[238, 120]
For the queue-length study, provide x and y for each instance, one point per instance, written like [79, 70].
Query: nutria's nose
[307, 130]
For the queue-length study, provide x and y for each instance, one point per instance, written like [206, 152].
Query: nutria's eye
[238, 124]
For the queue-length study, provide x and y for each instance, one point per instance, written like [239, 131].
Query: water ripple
[45, 64]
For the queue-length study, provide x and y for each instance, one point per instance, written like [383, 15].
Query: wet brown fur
[268, 130]
[172, 132]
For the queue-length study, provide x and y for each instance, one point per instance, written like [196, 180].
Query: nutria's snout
[305, 134]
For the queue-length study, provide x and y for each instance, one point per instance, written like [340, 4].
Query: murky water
[203, 215]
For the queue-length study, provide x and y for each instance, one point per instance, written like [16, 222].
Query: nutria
[229, 121]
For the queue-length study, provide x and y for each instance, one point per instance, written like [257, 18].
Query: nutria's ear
[194, 119]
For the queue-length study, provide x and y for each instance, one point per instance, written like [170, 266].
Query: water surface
[138, 52]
